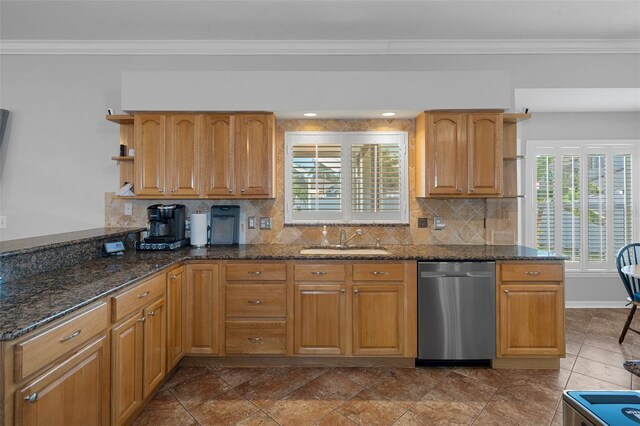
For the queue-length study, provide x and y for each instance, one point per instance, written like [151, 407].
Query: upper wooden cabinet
[459, 155]
[202, 156]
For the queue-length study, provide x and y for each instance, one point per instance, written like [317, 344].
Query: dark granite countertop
[28, 303]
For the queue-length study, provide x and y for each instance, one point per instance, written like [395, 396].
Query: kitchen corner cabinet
[530, 309]
[202, 309]
[176, 318]
[167, 152]
[459, 155]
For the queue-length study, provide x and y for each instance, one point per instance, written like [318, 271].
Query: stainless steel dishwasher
[456, 313]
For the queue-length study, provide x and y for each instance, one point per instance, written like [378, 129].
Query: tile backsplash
[464, 218]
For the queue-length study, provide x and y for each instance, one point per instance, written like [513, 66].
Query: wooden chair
[629, 255]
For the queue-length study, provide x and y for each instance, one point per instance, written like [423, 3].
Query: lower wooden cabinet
[72, 392]
[176, 298]
[378, 319]
[202, 309]
[139, 359]
[320, 319]
[530, 310]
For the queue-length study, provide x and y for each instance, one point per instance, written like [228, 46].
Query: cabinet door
[484, 145]
[378, 326]
[531, 319]
[320, 319]
[446, 154]
[183, 155]
[254, 154]
[176, 297]
[202, 309]
[126, 376]
[74, 392]
[218, 154]
[149, 162]
[155, 346]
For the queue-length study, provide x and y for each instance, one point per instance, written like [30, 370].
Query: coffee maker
[166, 227]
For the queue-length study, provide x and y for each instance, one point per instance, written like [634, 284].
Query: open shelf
[515, 117]
[120, 119]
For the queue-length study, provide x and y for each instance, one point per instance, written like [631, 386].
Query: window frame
[581, 148]
[345, 140]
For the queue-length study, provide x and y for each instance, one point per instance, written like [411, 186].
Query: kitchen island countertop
[29, 303]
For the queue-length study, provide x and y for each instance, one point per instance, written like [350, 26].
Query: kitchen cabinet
[138, 347]
[203, 308]
[74, 391]
[218, 169]
[167, 153]
[459, 154]
[530, 309]
[320, 319]
[255, 152]
[378, 319]
[176, 298]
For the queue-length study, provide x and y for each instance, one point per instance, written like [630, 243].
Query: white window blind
[581, 200]
[342, 177]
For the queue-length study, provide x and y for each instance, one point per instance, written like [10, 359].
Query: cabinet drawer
[531, 271]
[378, 272]
[256, 272]
[35, 353]
[256, 337]
[319, 272]
[256, 300]
[134, 299]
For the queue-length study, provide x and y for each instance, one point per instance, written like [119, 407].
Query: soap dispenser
[325, 239]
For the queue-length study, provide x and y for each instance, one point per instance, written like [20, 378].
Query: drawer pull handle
[145, 294]
[143, 319]
[255, 302]
[71, 336]
[318, 273]
[173, 277]
[533, 273]
[255, 340]
[506, 292]
[378, 273]
[32, 398]
[152, 313]
[255, 272]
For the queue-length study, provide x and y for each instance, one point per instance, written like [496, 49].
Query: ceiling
[319, 20]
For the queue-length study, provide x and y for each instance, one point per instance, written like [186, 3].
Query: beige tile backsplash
[464, 219]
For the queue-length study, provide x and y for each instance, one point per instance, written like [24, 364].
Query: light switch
[251, 222]
[265, 223]
[128, 209]
[438, 224]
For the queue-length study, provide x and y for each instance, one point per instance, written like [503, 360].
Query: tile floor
[381, 396]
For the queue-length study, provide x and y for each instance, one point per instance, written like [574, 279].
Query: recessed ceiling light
[310, 114]
[388, 114]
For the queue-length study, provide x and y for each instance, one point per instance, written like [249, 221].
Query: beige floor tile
[568, 362]
[363, 376]
[604, 372]
[164, 410]
[258, 418]
[439, 413]
[334, 419]
[204, 387]
[224, 409]
[367, 408]
[463, 389]
[573, 348]
[605, 356]
[579, 381]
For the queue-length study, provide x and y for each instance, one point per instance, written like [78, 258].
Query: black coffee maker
[166, 223]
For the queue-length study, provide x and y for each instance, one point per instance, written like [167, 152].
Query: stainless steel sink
[347, 251]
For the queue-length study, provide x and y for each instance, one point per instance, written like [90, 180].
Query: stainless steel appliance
[166, 228]
[225, 225]
[456, 313]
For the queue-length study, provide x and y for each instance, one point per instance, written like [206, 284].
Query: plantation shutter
[545, 203]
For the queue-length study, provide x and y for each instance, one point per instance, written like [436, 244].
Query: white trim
[595, 304]
[320, 47]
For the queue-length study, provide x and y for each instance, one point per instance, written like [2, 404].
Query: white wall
[55, 160]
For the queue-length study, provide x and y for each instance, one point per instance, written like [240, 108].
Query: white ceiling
[319, 20]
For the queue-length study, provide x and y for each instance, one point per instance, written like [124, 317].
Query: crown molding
[318, 47]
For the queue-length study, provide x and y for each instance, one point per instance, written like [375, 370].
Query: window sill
[351, 224]
[591, 274]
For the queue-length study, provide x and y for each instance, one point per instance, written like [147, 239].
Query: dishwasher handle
[429, 274]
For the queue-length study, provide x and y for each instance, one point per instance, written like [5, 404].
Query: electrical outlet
[251, 222]
[423, 222]
[128, 209]
[438, 223]
[265, 223]
[3, 222]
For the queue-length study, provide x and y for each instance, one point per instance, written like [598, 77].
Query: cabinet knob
[152, 313]
[160, 190]
[343, 291]
[355, 291]
[506, 292]
[173, 277]
[230, 190]
[143, 319]
[32, 398]
[173, 190]
[243, 190]
[472, 190]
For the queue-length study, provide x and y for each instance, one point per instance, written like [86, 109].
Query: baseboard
[595, 304]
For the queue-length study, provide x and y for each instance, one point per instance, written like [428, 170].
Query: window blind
[315, 178]
[375, 178]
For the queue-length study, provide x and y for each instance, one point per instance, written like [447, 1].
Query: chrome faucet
[343, 237]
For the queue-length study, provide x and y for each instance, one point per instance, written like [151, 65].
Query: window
[346, 177]
[581, 200]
